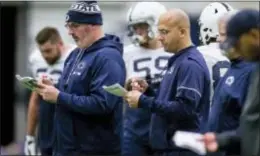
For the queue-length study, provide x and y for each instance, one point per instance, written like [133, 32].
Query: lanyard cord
[79, 56]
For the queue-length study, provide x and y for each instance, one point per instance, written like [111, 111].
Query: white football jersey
[217, 63]
[40, 67]
[145, 63]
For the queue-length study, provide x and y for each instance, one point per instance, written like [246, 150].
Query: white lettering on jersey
[39, 67]
[145, 63]
[217, 63]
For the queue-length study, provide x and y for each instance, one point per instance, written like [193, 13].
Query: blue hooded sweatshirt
[182, 101]
[88, 119]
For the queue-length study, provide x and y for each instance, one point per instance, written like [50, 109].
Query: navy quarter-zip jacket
[229, 97]
[182, 101]
[88, 119]
[228, 100]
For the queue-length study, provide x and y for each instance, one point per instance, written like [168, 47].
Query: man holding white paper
[244, 24]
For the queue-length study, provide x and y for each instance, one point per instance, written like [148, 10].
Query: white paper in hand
[190, 140]
[28, 82]
[115, 89]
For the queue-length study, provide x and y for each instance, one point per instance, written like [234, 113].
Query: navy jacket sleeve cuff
[228, 141]
[63, 98]
[145, 102]
[222, 141]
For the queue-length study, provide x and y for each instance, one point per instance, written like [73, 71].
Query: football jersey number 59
[146, 68]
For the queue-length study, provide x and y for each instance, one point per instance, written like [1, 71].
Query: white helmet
[144, 12]
[208, 21]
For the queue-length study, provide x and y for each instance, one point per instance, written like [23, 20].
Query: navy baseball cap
[242, 22]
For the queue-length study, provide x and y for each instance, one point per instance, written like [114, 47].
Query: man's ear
[60, 43]
[255, 33]
[183, 32]
[128, 86]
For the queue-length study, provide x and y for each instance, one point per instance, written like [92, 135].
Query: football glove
[30, 145]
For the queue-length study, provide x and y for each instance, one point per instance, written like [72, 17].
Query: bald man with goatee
[182, 101]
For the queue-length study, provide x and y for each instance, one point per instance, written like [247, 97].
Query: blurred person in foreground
[182, 100]
[145, 58]
[217, 63]
[88, 120]
[243, 36]
[230, 94]
[47, 61]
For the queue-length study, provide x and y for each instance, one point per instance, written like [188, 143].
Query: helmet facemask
[142, 39]
[207, 35]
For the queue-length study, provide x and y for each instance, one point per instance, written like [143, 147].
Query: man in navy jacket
[243, 37]
[182, 101]
[88, 119]
[230, 93]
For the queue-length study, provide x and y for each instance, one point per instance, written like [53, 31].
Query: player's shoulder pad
[211, 47]
[35, 56]
[211, 50]
[202, 47]
[131, 48]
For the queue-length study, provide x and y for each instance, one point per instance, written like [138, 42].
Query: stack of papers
[115, 89]
[191, 141]
[27, 82]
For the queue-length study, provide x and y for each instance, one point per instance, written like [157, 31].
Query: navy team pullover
[182, 102]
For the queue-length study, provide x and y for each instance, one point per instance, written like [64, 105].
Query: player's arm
[32, 115]
[32, 119]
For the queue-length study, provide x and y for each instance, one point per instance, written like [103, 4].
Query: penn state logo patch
[81, 65]
[87, 8]
[230, 80]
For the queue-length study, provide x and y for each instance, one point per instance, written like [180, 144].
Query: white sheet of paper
[115, 89]
[28, 82]
[190, 140]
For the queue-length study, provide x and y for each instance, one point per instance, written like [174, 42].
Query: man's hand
[132, 98]
[136, 84]
[210, 142]
[48, 92]
[30, 146]
[46, 80]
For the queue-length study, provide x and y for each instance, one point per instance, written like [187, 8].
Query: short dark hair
[48, 34]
